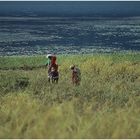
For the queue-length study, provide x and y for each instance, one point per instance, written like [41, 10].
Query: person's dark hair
[49, 57]
[72, 67]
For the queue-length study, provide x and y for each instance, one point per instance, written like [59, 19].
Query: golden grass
[105, 105]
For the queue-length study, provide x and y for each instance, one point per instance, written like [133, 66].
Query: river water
[41, 35]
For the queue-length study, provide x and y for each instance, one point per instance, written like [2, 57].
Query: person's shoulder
[77, 69]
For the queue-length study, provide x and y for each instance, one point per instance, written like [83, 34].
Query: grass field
[105, 105]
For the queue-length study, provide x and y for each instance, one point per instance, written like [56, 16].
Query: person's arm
[48, 62]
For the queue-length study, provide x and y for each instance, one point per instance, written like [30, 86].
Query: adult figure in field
[53, 74]
[76, 75]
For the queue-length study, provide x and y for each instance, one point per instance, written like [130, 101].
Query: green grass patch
[105, 105]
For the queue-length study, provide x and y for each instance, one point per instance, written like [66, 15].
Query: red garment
[53, 67]
[53, 60]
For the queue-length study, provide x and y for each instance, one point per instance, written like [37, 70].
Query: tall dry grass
[105, 105]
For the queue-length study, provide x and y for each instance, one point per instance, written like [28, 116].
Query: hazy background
[70, 8]
[69, 27]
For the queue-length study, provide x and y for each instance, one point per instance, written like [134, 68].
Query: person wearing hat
[76, 75]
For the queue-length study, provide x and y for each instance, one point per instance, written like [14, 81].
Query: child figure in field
[76, 75]
[53, 74]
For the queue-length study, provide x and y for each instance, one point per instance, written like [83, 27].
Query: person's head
[72, 67]
[49, 56]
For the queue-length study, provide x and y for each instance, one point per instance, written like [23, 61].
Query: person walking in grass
[76, 75]
[53, 74]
